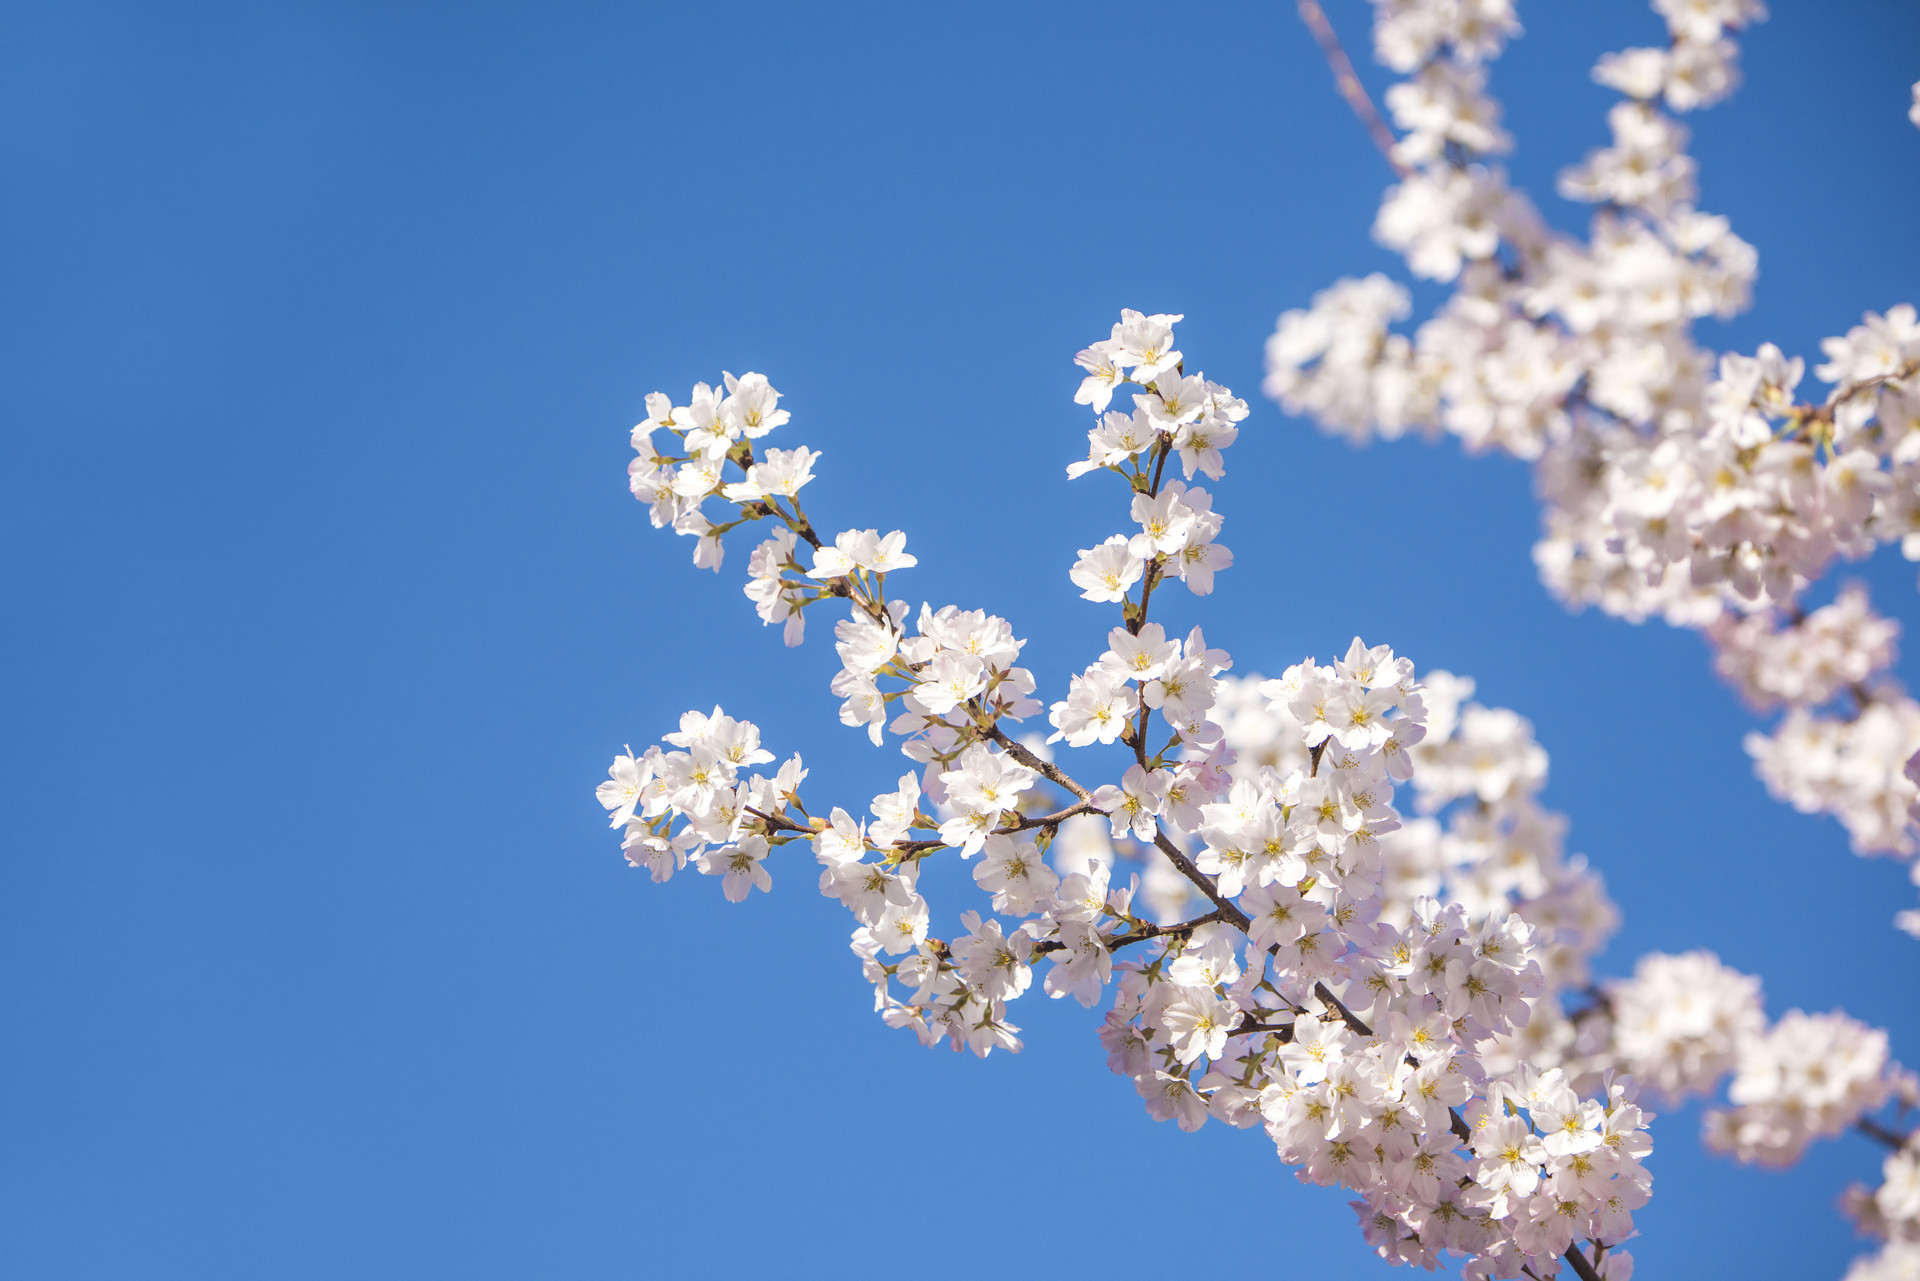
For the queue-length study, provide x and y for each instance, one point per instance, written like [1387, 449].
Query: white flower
[842, 841]
[1015, 874]
[621, 792]
[780, 475]
[1143, 345]
[1140, 656]
[1104, 573]
[1134, 802]
[1198, 1023]
[1097, 709]
[750, 404]
[1810, 1076]
[740, 867]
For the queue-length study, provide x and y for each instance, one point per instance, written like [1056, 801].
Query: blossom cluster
[1891, 1213]
[1682, 1025]
[1369, 1029]
[1493, 846]
[1484, 844]
[1849, 743]
[1687, 1024]
[1810, 1076]
[1675, 482]
[1683, 1021]
[1809, 662]
[1482, 840]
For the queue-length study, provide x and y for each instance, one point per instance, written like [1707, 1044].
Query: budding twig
[1025, 822]
[1140, 935]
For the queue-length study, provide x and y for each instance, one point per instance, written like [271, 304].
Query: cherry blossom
[1273, 964]
[1706, 488]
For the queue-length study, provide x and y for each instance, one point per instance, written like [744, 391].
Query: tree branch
[779, 822]
[1139, 619]
[1229, 911]
[1053, 773]
[1824, 413]
[1140, 935]
[1881, 1134]
[1024, 823]
[1282, 1030]
[1349, 84]
[1582, 1266]
[1602, 1004]
[1347, 1016]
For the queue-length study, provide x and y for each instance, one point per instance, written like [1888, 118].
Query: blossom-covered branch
[1701, 489]
[1372, 1041]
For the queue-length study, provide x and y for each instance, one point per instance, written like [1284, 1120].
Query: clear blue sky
[325, 606]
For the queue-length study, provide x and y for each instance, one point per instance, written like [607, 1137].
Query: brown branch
[1582, 1266]
[1347, 1016]
[1824, 413]
[780, 823]
[1140, 935]
[1021, 823]
[1349, 84]
[1602, 1004]
[1052, 772]
[1229, 911]
[1881, 1134]
[1136, 735]
[1862, 697]
[1024, 823]
[1166, 448]
[1282, 1030]
[1138, 617]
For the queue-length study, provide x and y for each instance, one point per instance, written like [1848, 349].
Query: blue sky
[327, 605]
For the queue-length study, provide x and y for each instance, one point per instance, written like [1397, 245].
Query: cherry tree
[1330, 906]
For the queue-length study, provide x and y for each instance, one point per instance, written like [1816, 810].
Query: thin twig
[1881, 1134]
[1824, 413]
[1349, 84]
[779, 822]
[1023, 822]
[1282, 1030]
[1140, 935]
[1139, 618]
